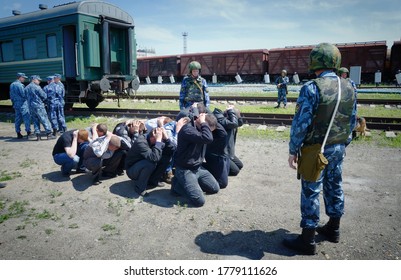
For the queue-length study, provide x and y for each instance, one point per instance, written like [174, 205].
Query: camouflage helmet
[324, 56]
[194, 65]
[342, 70]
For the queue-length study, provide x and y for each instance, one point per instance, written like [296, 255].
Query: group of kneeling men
[194, 153]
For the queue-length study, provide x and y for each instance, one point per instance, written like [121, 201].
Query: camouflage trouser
[333, 195]
[39, 116]
[56, 117]
[282, 96]
[22, 115]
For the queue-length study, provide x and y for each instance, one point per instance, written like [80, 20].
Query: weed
[27, 163]
[6, 176]
[20, 227]
[22, 237]
[107, 227]
[115, 208]
[49, 231]
[45, 215]
[73, 226]
[55, 193]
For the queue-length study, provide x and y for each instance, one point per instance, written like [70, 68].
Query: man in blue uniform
[36, 100]
[58, 107]
[314, 109]
[281, 83]
[194, 88]
[20, 105]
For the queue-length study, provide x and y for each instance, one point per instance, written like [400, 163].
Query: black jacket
[192, 146]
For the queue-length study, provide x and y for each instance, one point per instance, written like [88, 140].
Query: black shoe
[19, 135]
[80, 170]
[159, 184]
[278, 106]
[54, 132]
[304, 243]
[108, 175]
[330, 234]
[51, 136]
[120, 172]
[37, 137]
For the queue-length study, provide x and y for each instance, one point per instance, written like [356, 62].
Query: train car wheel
[92, 103]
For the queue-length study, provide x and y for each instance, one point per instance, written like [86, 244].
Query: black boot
[37, 137]
[304, 243]
[54, 131]
[331, 230]
[278, 106]
[28, 134]
[19, 135]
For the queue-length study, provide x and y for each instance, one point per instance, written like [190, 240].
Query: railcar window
[29, 48]
[51, 45]
[7, 51]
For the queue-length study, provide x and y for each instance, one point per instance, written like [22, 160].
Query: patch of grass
[55, 193]
[45, 215]
[115, 208]
[108, 227]
[73, 226]
[27, 163]
[22, 237]
[49, 231]
[20, 227]
[6, 175]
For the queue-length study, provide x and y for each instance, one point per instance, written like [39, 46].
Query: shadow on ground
[251, 244]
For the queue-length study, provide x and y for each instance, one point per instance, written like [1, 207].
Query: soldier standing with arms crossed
[314, 109]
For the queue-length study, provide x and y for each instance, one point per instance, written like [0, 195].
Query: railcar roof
[93, 8]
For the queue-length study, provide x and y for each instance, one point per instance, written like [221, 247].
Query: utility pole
[185, 35]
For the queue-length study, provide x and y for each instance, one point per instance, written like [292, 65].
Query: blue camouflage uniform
[193, 90]
[55, 106]
[37, 100]
[20, 105]
[60, 105]
[306, 129]
[282, 90]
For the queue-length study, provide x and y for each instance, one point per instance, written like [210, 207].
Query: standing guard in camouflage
[59, 109]
[315, 105]
[52, 100]
[281, 83]
[37, 100]
[20, 105]
[194, 88]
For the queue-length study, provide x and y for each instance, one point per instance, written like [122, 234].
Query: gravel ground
[45, 216]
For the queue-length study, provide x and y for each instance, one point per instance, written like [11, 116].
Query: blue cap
[35, 77]
[57, 75]
[21, 75]
[49, 78]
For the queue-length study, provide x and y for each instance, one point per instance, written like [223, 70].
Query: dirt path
[45, 216]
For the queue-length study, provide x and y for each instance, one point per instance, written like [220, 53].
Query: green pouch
[311, 162]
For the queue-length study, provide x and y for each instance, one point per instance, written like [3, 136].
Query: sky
[224, 25]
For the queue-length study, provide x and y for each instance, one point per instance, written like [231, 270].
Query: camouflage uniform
[36, 99]
[60, 105]
[55, 101]
[314, 107]
[193, 90]
[282, 90]
[20, 105]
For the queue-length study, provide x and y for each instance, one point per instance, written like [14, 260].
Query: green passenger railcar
[91, 43]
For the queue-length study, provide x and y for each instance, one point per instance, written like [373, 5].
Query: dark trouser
[146, 173]
[219, 167]
[235, 166]
[111, 165]
[192, 184]
[67, 163]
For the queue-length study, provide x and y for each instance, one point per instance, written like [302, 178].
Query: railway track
[250, 99]
[249, 118]
[377, 123]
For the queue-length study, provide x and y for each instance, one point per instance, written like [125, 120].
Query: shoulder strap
[334, 114]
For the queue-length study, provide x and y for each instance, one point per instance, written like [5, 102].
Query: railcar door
[69, 51]
[118, 50]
